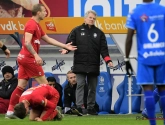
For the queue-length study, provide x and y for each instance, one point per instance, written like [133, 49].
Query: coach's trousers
[92, 84]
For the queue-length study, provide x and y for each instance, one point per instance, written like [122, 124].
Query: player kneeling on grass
[42, 101]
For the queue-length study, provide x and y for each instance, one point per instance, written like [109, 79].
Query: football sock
[150, 106]
[156, 95]
[162, 102]
[15, 98]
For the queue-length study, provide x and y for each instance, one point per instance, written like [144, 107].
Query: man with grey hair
[90, 42]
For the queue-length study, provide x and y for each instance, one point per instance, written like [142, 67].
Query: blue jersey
[148, 20]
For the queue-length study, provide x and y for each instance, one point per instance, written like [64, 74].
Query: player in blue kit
[148, 19]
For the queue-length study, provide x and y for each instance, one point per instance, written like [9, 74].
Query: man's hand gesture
[70, 47]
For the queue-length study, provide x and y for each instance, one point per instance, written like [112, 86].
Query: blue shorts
[150, 74]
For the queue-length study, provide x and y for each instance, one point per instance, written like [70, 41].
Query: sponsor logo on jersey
[144, 18]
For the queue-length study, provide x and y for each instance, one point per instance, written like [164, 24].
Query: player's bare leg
[41, 79]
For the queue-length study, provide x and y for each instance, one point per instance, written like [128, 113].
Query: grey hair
[90, 11]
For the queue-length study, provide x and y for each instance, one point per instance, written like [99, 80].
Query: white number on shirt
[153, 31]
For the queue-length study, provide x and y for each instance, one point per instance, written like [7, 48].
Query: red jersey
[34, 28]
[42, 97]
[36, 95]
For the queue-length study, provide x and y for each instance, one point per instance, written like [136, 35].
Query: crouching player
[42, 101]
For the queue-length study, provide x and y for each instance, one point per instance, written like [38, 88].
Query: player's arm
[128, 44]
[49, 109]
[28, 38]
[5, 49]
[54, 42]
[131, 25]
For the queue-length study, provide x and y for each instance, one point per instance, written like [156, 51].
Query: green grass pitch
[84, 120]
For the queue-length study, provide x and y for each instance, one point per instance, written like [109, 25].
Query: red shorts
[28, 68]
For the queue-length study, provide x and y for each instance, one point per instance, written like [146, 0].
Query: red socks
[15, 98]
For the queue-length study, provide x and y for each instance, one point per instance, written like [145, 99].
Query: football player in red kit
[42, 101]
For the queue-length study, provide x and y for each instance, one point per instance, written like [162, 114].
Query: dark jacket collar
[74, 86]
[87, 26]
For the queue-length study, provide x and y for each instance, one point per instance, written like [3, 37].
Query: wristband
[4, 48]
[126, 59]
